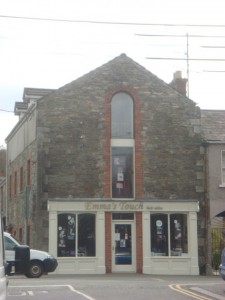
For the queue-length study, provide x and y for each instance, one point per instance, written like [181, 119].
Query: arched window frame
[122, 116]
[122, 146]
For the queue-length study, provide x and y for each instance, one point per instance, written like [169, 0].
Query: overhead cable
[110, 22]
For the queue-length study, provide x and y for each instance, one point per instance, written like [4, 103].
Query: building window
[122, 116]
[122, 172]
[223, 167]
[28, 172]
[15, 183]
[159, 234]
[10, 186]
[122, 146]
[169, 234]
[122, 216]
[21, 179]
[76, 235]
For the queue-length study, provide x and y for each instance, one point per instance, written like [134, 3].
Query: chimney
[179, 83]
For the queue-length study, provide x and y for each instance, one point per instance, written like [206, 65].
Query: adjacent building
[213, 128]
[108, 174]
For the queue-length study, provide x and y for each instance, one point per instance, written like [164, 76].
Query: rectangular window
[178, 234]
[10, 186]
[28, 172]
[122, 216]
[122, 172]
[169, 234]
[159, 234]
[21, 179]
[1, 199]
[76, 235]
[223, 167]
[15, 183]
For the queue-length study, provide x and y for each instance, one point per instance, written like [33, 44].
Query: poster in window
[62, 237]
[120, 176]
[122, 243]
[116, 161]
[119, 185]
[71, 228]
[117, 237]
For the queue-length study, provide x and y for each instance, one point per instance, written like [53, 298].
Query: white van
[21, 263]
[40, 262]
[3, 280]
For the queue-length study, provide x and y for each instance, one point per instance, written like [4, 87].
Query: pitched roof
[213, 125]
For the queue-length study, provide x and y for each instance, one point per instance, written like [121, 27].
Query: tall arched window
[122, 146]
[122, 116]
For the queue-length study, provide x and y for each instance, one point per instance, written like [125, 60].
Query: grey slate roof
[213, 125]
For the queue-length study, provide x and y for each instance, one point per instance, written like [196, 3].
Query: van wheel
[36, 269]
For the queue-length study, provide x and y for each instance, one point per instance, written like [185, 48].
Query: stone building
[213, 129]
[107, 173]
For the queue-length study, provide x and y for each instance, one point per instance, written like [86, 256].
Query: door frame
[124, 268]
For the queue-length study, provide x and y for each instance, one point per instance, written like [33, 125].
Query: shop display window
[76, 235]
[178, 234]
[169, 234]
[159, 234]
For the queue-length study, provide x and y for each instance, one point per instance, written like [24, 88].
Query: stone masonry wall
[73, 135]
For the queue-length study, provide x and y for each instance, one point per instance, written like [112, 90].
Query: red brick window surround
[138, 178]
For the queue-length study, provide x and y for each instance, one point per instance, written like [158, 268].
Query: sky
[49, 43]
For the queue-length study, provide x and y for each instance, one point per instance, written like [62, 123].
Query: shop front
[150, 237]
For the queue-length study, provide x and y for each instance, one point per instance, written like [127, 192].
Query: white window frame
[222, 168]
[123, 143]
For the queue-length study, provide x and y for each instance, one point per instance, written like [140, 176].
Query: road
[116, 287]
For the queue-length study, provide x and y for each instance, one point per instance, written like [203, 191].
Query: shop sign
[121, 206]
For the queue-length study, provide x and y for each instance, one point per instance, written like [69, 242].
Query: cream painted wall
[182, 265]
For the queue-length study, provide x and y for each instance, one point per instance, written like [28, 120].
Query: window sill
[222, 185]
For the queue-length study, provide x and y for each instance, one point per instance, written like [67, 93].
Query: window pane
[178, 234]
[86, 235]
[223, 167]
[123, 216]
[159, 234]
[122, 116]
[66, 235]
[122, 172]
[223, 159]
[9, 244]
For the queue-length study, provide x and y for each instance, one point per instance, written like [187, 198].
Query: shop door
[123, 247]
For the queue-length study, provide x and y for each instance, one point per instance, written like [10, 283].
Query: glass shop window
[76, 235]
[66, 235]
[178, 234]
[122, 172]
[159, 234]
[169, 236]
[86, 235]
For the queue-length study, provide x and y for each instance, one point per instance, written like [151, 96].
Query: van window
[9, 244]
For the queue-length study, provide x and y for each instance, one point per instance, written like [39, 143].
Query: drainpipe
[26, 211]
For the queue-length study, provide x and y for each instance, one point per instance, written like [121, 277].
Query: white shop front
[92, 236]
